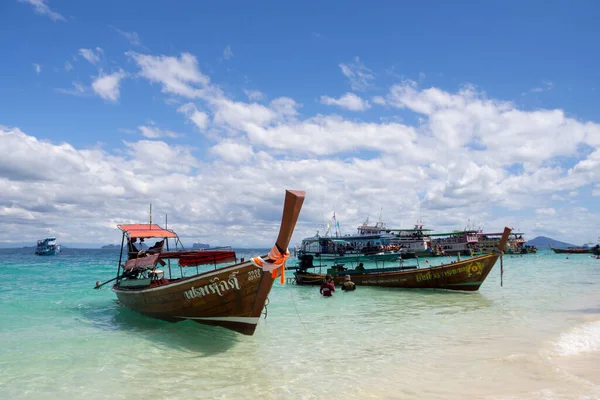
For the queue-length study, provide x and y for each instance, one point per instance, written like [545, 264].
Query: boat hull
[48, 252]
[376, 257]
[232, 297]
[572, 251]
[465, 275]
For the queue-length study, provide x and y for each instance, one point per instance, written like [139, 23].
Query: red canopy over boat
[146, 231]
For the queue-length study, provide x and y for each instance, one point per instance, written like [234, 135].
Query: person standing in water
[327, 288]
[348, 285]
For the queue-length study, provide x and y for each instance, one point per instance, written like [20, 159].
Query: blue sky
[444, 111]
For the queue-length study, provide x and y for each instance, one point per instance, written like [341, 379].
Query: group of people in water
[328, 286]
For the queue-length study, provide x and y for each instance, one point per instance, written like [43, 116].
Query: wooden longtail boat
[231, 296]
[462, 275]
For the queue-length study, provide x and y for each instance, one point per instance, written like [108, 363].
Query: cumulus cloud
[254, 95]
[199, 118]
[41, 7]
[359, 76]
[457, 188]
[180, 76]
[154, 132]
[93, 56]
[349, 101]
[77, 90]
[37, 68]
[107, 86]
[132, 37]
[464, 156]
[233, 152]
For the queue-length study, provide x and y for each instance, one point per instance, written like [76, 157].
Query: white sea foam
[581, 339]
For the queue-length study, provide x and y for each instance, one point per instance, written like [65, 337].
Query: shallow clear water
[538, 337]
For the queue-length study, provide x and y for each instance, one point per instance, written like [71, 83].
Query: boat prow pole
[504, 238]
[291, 211]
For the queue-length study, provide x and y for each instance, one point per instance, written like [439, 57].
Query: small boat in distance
[465, 275]
[573, 250]
[231, 296]
[47, 247]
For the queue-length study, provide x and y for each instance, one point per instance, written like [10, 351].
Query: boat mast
[168, 259]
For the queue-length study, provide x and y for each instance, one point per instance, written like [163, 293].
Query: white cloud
[360, 77]
[68, 66]
[132, 37]
[107, 86]
[180, 76]
[233, 152]
[199, 118]
[92, 56]
[153, 132]
[546, 86]
[254, 95]
[474, 152]
[545, 211]
[77, 90]
[349, 101]
[227, 53]
[379, 100]
[37, 68]
[41, 7]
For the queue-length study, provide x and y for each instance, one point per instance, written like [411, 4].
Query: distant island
[198, 246]
[110, 246]
[542, 242]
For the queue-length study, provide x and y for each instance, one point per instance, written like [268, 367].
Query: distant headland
[542, 242]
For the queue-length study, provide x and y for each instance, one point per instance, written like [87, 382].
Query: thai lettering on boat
[216, 286]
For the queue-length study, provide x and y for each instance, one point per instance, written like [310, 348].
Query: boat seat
[157, 273]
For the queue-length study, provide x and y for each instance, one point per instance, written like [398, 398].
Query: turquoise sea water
[538, 337]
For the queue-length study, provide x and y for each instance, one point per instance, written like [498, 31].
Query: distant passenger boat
[577, 250]
[47, 247]
[370, 244]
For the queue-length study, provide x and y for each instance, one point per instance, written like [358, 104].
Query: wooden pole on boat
[99, 285]
[501, 270]
[121, 254]
[168, 259]
[500, 251]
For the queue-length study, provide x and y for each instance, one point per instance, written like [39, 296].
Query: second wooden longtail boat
[461, 275]
[230, 296]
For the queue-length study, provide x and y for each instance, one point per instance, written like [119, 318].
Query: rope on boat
[275, 261]
[295, 308]
[266, 310]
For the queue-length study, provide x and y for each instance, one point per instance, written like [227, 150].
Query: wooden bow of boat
[232, 296]
[461, 275]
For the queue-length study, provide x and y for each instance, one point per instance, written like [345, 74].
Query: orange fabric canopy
[146, 231]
